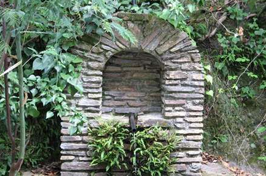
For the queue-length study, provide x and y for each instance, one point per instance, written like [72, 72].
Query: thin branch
[249, 65]
[8, 112]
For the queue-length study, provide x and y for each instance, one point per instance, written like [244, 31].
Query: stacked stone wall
[131, 84]
[181, 89]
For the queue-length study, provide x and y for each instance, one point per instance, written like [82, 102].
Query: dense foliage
[107, 145]
[152, 149]
[149, 151]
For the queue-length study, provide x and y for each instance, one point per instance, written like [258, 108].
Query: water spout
[132, 122]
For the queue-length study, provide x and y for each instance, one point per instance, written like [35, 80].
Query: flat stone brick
[178, 154]
[76, 166]
[179, 167]
[186, 95]
[114, 103]
[183, 59]
[70, 138]
[65, 119]
[176, 75]
[192, 67]
[195, 108]
[174, 102]
[74, 174]
[197, 77]
[67, 158]
[190, 160]
[73, 146]
[193, 153]
[178, 89]
[74, 153]
[194, 137]
[181, 46]
[195, 113]
[84, 159]
[195, 57]
[92, 90]
[193, 83]
[172, 42]
[96, 65]
[89, 102]
[94, 72]
[92, 79]
[190, 131]
[194, 119]
[127, 110]
[196, 125]
[175, 114]
[94, 95]
[190, 145]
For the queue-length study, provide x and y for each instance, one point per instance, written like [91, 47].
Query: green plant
[262, 130]
[107, 145]
[5, 159]
[243, 57]
[152, 148]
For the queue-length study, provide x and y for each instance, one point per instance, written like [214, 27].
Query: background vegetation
[230, 34]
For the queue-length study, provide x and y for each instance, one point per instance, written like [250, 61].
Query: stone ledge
[73, 146]
[74, 174]
[144, 120]
[79, 166]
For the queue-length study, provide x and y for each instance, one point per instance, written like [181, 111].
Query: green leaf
[209, 79]
[252, 75]
[263, 85]
[73, 130]
[71, 58]
[232, 78]
[207, 67]
[33, 111]
[210, 93]
[38, 64]
[76, 84]
[262, 158]
[34, 92]
[261, 129]
[50, 51]
[32, 78]
[242, 59]
[49, 114]
[191, 8]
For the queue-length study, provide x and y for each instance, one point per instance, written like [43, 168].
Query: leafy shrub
[5, 158]
[152, 148]
[108, 145]
[243, 55]
[262, 130]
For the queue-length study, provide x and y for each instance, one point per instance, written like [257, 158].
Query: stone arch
[182, 88]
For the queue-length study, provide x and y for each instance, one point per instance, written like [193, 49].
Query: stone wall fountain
[159, 78]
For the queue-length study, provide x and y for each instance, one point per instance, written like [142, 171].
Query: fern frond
[125, 33]
[12, 16]
[108, 28]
